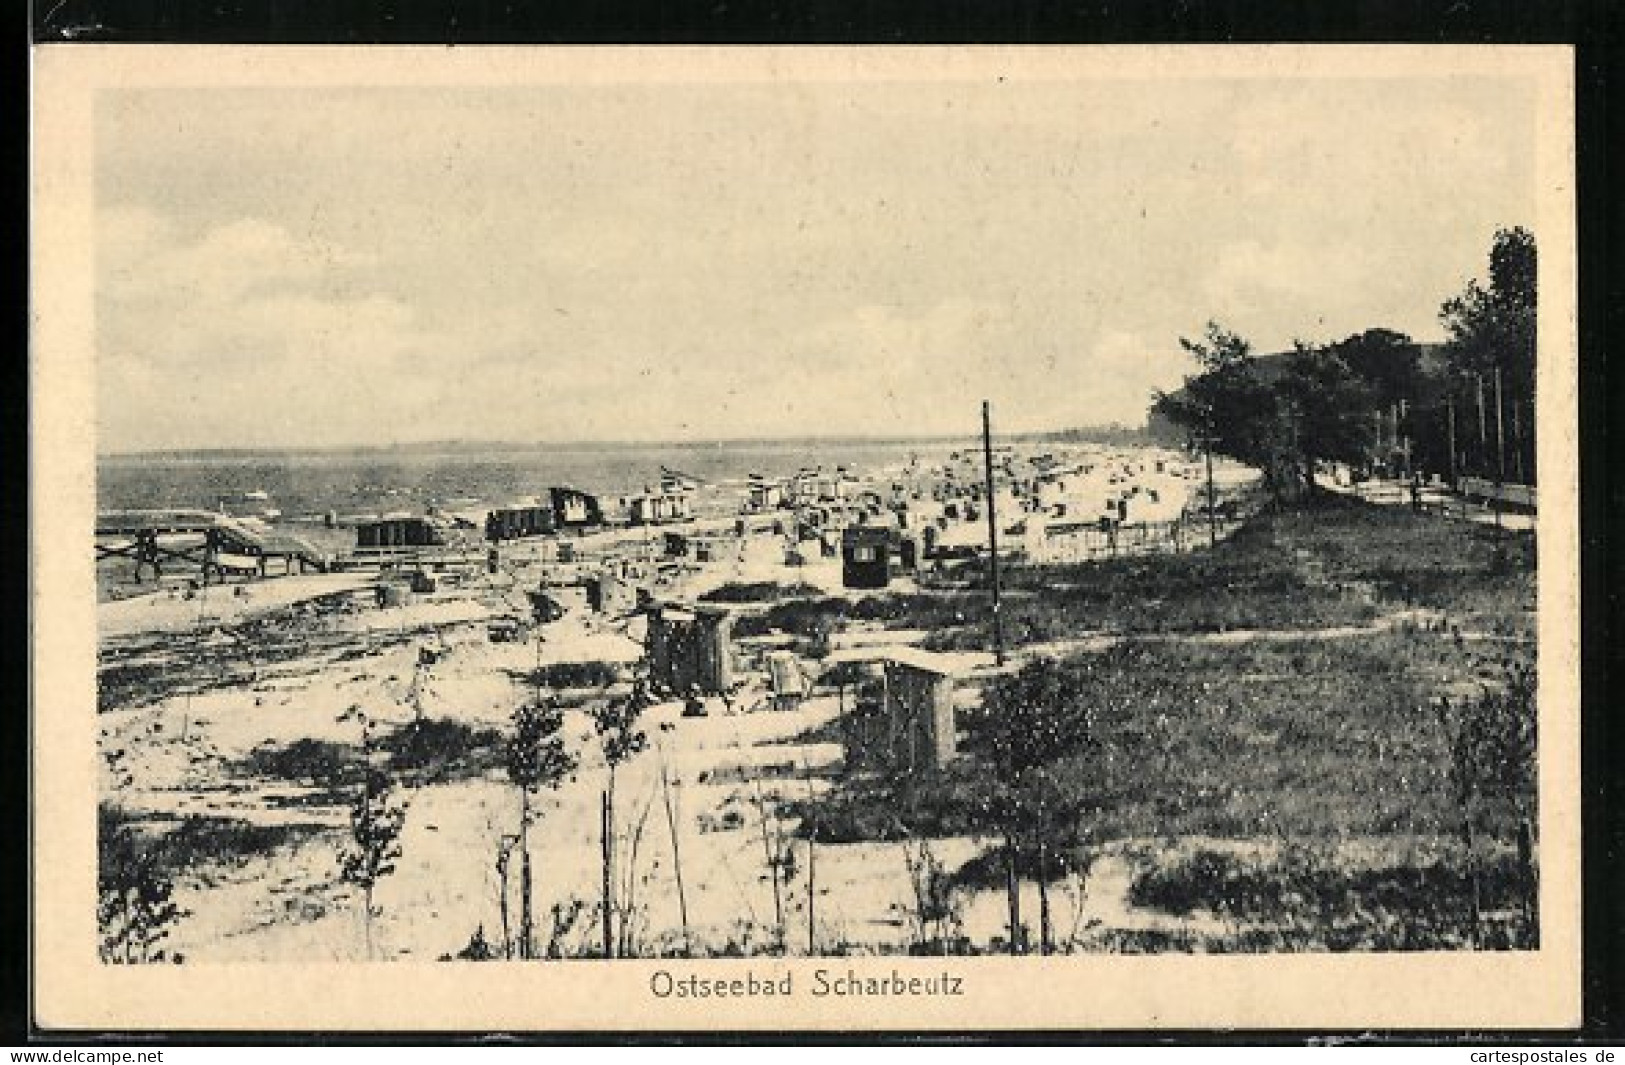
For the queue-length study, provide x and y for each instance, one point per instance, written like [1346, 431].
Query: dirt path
[1103, 641]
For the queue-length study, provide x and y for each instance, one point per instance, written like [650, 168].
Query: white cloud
[703, 261]
[1130, 368]
[232, 336]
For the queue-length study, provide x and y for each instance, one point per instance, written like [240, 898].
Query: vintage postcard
[674, 539]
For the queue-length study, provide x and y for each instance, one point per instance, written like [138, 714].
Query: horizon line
[464, 443]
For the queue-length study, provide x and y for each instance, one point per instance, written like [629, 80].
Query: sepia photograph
[810, 524]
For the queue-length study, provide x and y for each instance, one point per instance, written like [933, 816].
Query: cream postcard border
[73, 990]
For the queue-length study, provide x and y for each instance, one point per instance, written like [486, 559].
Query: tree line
[1378, 401]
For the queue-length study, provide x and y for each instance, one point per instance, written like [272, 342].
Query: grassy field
[1340, 562]
[1318, 761]
[1337, 562]
[1279, 738]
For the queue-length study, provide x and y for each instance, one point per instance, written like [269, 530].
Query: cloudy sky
[292, 267]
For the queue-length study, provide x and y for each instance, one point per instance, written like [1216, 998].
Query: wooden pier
[214, 544]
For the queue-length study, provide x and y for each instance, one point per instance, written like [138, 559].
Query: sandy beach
[213, 694]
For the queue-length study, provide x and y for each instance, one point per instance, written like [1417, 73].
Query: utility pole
[1500, 430]
[992, 531]
[1393, 438]
[1500, 449]
[1517, 443]
[1483, 425]
[1450, 436]
[1450, 442]
[1402, 414]
[1212, 501]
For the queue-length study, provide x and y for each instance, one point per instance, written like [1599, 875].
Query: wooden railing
[1482, 488]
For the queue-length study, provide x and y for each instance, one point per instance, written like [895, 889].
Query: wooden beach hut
[689, 648]
[905, 717]
[865, 556]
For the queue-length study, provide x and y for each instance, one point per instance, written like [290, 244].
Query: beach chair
[790, 685]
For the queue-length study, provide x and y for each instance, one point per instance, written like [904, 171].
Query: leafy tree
[1325, 409]
[620, 737]
[536, 759]
[376, 818]
[1283, 416]
[936, 920]
[1027, 722]
[1491, 741]
[134, 907]
[1404, 396]
[1229, 406]
[1492, 328]
[1288, 415]
[1389, 363]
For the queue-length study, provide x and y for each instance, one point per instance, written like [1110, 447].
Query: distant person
[1416, 491]
[693, 705]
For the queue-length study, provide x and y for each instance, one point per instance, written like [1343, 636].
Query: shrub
[321, 763]
[759, 592]
[986, 871]
[139, 862]
[565, 675]
[376, 819]
[198, 840]
[1305, 902]
[813, 617]
[438, 748]
[864, 808]
[134, 908]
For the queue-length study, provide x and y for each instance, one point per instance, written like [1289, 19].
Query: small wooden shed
[909, 722]
[865, 556]
[689, 648]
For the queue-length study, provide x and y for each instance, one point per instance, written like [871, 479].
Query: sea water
[302, 483]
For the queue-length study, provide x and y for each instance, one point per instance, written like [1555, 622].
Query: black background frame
[1595, 27]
